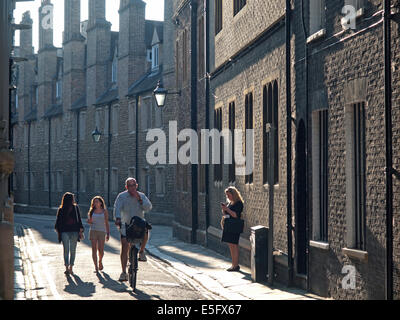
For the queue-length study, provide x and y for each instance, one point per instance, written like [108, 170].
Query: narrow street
[45, 278]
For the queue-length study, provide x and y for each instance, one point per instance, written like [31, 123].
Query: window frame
[356, 175]
[232, 127]
[249, 125]
[218, 16]
[320, 174]
[316, 28]
[238, 5]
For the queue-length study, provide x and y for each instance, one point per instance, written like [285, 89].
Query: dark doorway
[301, 200]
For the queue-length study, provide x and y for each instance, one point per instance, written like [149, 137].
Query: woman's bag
[234, 225]
[81, 234]
[59, 236]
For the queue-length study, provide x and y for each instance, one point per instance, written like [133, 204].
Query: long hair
[92, 207]
[235, 194]
[67, 201]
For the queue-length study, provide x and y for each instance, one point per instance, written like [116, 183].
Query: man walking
[128, 204]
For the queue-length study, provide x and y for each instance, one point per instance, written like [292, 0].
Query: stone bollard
[6, 261]
[259, 253]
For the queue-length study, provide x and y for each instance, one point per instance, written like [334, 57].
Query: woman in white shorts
[99, 229]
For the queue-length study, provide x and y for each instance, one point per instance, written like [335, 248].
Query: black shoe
[231, 269]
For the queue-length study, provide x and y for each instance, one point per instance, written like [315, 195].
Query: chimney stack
[98, 51]
[46, 24]
[74, 55]
[26, 48]
[132, 47]
[72, 15]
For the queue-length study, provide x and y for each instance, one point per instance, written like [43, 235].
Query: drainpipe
[389, 153]
[49, 162]
[271, 181]
[77, 155]
[193, 104]
[109, 155]
[289, 143]
[308, 222]
[137, 140]
[29, 163]
[207, 100]
[10, 126]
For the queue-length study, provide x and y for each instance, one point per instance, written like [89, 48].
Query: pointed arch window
[270, 122]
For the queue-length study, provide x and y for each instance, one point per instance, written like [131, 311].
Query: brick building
[191, 214]
[248, 90]
[98, 79]
[329, 226]
[310, 84]
[343, 77]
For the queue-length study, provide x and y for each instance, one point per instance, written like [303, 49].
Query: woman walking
[99, 230]
[232, 211]
[69, 228]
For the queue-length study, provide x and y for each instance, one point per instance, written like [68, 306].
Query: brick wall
[396, 154]
[347, 60]
[250, 21]
[80, 82]
[262, 65]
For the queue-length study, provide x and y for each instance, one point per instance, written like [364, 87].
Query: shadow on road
[118, 286]
[78, 287]
[140, 295]
[110, 283]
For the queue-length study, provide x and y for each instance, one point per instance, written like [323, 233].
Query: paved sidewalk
[201, 264]
[209, 269]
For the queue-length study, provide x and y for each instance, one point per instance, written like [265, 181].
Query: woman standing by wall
[99, 230]
[232, 211]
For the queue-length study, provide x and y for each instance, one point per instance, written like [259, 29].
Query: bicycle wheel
[133, 259]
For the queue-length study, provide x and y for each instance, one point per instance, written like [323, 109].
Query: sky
[154, 11]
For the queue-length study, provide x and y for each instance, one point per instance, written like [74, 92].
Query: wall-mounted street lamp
[160, 94]
[96, 134]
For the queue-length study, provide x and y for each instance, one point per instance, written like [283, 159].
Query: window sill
[249, 186]
[266, 186]
[360, 12]
[317, 35]
[218, 184]
[356, 254]
[319, 244]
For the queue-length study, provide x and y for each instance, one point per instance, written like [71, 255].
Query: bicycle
[135, 232]
[133, 264]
